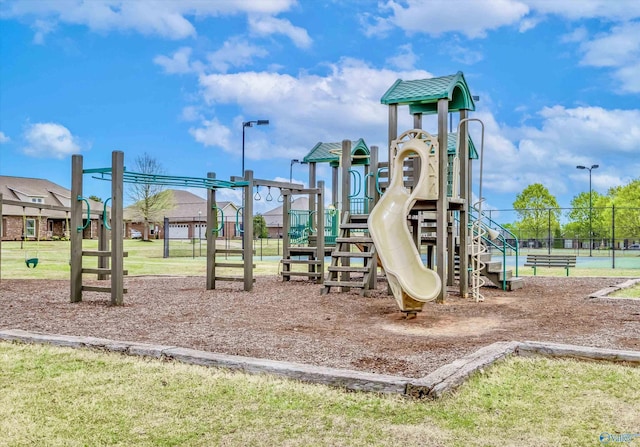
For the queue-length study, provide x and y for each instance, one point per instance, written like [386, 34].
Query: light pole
[294, 161]
[246, 124]
[590, 206]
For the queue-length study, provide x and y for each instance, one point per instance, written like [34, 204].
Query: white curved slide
[411, 282]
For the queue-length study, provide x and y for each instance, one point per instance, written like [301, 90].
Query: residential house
[186, 220]
[31, 219]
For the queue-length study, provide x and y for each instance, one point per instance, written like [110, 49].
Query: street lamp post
[246, 124]
[590, 206]
[294, 161]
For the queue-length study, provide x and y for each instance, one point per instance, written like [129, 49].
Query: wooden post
[442, 204]
[373, 193]
[465, 193]
[247, 236]
[1, 237]
[320, 228]
[117, 236]
[286, 228]
[75, 232]
[212, 225]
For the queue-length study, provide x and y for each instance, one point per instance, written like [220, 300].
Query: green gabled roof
[328, 153]
[422, 95]
[452, 142]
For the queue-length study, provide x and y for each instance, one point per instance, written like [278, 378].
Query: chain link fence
[611, 234]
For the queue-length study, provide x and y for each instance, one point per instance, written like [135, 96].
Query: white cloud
[618, 10]
[266, 26]
[308, 107]
[212, 133]
[4, 138]
[614, 49]
[405, 60]
[167, 19]
[474, 18]
[190, 113]
[471, 18]
[50, 140]
[178, 63]
[235, 52]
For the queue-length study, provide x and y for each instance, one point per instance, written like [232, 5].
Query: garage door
[178, 231]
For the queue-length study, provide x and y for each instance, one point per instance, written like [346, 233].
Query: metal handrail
[82, 227]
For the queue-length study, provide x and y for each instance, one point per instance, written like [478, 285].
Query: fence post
[613, 236]
[549, 232]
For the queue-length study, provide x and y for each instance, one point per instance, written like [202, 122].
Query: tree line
[538, 213]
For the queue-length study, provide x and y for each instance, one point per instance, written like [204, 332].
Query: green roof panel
[329, 153]
[422, 95]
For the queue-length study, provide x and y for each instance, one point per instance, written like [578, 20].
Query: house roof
[422, 95]
[273, 217]
[187, 207]
[330, 153]
[28, 190]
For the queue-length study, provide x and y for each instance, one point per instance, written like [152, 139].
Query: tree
[150, 200]
[626, 199]
[260, 227]
[95, 199]
[586, 214]
[538, 210]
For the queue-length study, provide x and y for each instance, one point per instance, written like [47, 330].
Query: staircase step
[351, 254]
[348, 269]
[303, 251]
[301, 261]
[515, 283]
[354, 240]
[354, 226]
[353, 284]
[308, 274]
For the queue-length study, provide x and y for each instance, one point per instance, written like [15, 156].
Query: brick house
[187, 220]
[32, 221]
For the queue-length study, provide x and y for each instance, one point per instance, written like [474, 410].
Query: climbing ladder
[353, 242]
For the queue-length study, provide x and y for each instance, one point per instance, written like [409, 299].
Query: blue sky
[559, 84]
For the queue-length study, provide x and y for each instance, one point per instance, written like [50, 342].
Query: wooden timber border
[441, 381]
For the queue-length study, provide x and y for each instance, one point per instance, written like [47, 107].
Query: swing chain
[257, 196]
[269, 197]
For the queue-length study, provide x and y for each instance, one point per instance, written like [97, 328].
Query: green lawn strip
[55, 396]
[629, 292]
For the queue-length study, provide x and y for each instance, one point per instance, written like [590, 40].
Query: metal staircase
[352, 243]
[499, 240]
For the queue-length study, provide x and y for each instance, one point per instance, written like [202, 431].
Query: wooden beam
[441, 208]
[117, 236]
[212, 224]
[75, 236]
[465, 193]
[247, 235]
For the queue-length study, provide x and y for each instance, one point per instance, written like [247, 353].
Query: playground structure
[426, 198]
[110, 251]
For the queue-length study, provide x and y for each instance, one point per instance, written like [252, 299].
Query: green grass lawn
[629, 292]
[63, 397]
[188, 258]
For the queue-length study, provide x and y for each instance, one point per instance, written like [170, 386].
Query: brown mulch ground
[293, 322]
